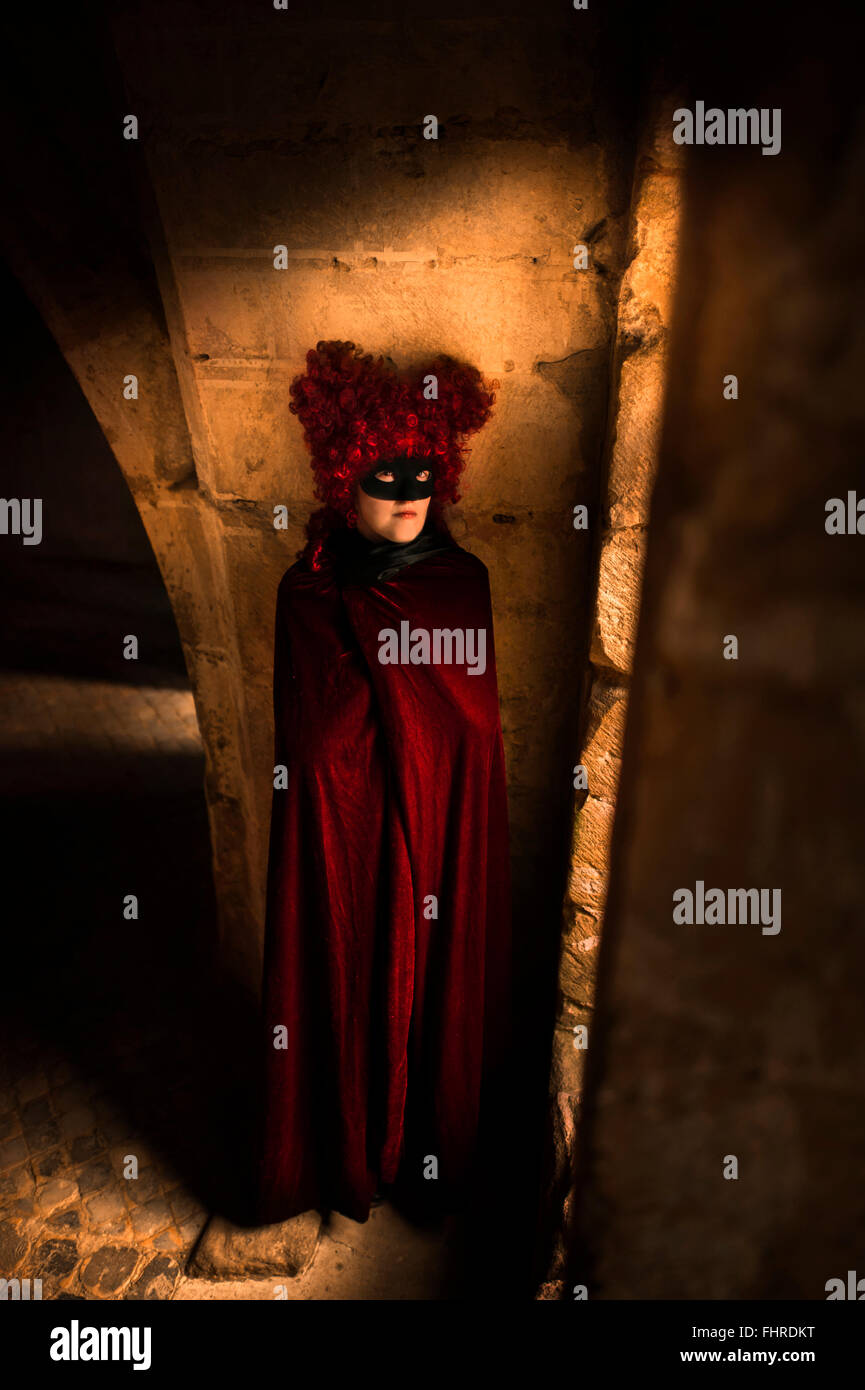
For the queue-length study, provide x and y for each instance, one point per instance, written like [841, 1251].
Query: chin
[406, 529]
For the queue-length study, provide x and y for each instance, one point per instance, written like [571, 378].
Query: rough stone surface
[156, 1280]
[644, 313]
[226, 1251]
[13, 1246]
[720, 1040]
[56, 1193]
[55, 1257]
[109, 1269]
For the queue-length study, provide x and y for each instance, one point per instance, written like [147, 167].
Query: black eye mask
[405, 486]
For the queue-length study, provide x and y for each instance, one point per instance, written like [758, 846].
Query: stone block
[569, 1062]
[578, 966]
[603, 739]
[156, 1280]
[620, 579]
[14, 1244]
[593, 832]
[226, 1251]
[109, 1269]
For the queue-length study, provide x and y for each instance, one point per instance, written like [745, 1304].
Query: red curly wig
[356, 409]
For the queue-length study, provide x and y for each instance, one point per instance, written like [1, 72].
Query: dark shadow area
[137, 1006]
[68, 602]
[98, 805]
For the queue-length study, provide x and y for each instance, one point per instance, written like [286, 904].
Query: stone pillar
[724, 1148]
[639, 375]
[91, 278]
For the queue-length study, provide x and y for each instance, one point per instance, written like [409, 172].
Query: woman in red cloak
[386, 986]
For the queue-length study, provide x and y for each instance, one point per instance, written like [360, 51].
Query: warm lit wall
[273, 129]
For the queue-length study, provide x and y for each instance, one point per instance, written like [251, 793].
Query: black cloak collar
[359, 561]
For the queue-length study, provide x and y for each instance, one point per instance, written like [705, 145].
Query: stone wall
[637, 398]
[265, 129]
[271, 130]
[723, 1145]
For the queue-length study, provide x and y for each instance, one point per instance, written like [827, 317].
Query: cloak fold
[388, 936]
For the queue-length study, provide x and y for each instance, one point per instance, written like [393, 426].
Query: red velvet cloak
[395, 1019]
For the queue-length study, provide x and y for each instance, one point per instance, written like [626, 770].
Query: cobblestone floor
[106, 1101]
[68, 1215]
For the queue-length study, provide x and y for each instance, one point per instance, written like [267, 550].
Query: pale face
[380, 519]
